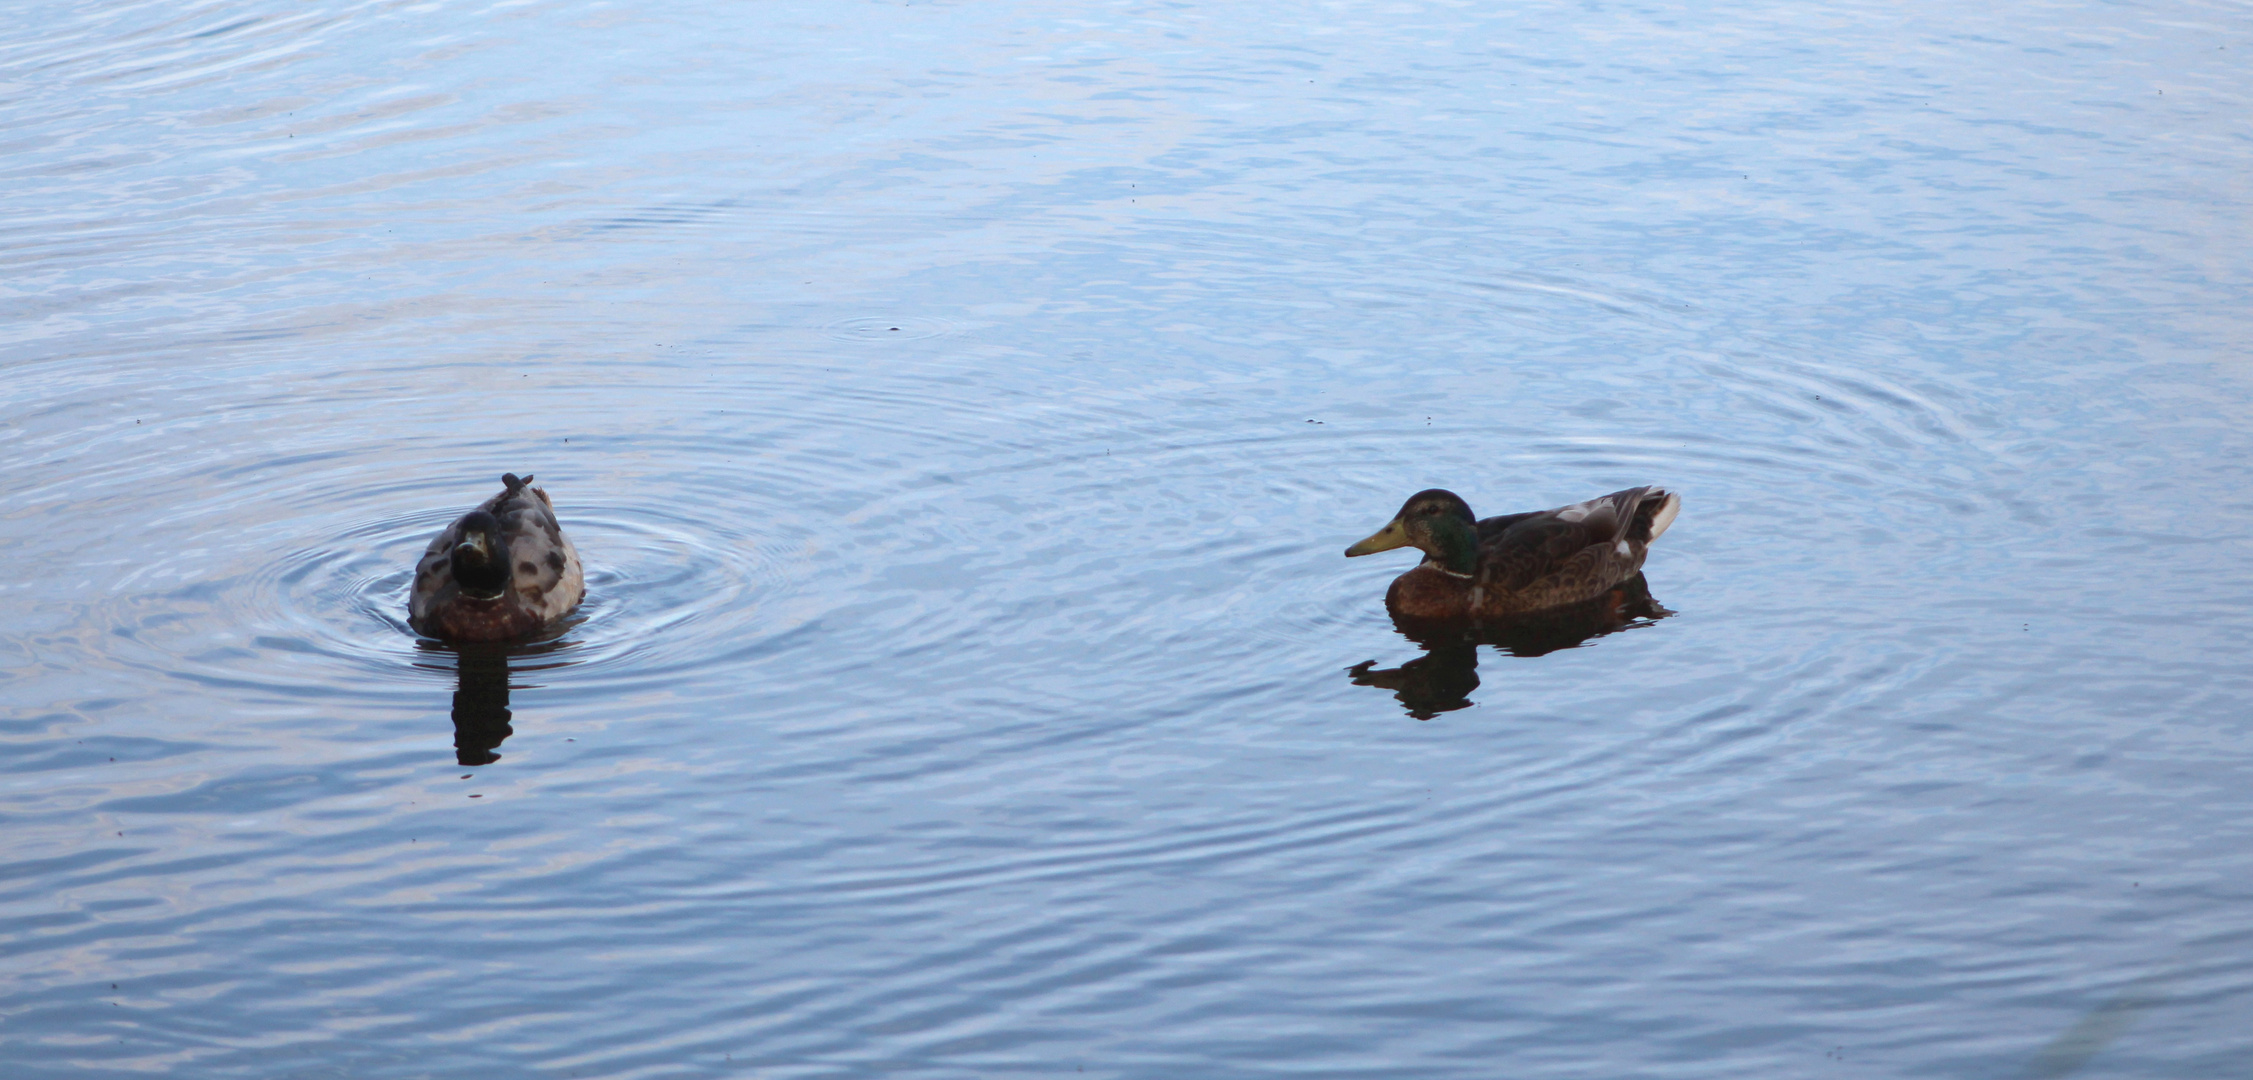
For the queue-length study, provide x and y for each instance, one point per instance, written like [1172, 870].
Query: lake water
[961, 408]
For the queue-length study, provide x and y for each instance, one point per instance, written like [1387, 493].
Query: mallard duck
[1517, 563]
[503, 570]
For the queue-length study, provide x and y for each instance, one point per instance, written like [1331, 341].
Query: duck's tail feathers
[1657, 511]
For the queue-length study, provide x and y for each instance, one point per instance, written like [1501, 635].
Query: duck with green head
[501, 571]
[1517, 563]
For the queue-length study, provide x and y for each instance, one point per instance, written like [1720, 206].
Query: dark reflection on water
[1442, 679]
[1439, 681]
[481, 712]
[483, 671]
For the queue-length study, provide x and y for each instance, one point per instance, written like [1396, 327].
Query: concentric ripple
[891, 328]
[665, 589]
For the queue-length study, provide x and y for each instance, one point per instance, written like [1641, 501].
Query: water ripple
[960, 412]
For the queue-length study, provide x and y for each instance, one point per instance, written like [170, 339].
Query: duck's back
[1566, 555]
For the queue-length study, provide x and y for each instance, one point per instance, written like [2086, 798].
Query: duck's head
[1434, 521]
[480, 558]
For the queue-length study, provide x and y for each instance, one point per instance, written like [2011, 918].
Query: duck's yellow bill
[1385, 539]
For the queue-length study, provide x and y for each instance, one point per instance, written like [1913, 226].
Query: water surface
[960, 410]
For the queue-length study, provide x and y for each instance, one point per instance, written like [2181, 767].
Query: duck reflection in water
[481, 712]
[481, 690]
[1442, 679]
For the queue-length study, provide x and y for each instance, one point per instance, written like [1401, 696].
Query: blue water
[960, 410]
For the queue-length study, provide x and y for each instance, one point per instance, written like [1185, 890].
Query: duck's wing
[434, 572]
[1600, 540]
[434, 580]
[547, 576]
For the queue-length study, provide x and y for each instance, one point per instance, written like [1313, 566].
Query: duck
[1476, 569]
[504, 570]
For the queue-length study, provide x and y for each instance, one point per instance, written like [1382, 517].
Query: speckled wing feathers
[547, 573]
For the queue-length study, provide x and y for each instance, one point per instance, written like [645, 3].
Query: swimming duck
[502, 571]
[1517, 563]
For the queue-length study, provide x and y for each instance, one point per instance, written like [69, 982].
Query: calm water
[961, 409]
